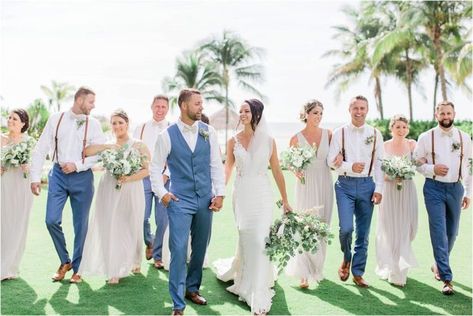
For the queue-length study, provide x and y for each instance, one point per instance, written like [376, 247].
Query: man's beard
[446, 123]
[194, 116]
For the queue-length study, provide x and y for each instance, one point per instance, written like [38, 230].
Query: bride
[250, 150]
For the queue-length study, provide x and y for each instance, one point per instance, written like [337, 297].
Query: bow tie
[447, 134]
[189, 129]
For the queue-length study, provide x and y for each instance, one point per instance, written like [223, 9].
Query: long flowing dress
[396, 229]
[315, 194]
[17, 201]
[113, 246]
[251, 269]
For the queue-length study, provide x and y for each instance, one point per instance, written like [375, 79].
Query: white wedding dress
[113, 246]
[251, 269]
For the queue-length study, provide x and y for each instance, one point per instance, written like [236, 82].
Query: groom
[191, 151]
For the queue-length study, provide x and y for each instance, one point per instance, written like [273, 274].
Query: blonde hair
[397, 118]
[309, 106]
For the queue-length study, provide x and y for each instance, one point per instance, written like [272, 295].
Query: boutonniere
[455, 146]
[204, 133]
[80, 122]
[369, 140]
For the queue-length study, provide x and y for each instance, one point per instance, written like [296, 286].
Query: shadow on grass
[416, 299]
[19, 298]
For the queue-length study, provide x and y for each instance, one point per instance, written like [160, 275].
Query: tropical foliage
[58, 93]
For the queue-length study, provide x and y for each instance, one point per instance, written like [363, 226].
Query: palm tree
[194, 71]
[39, 114]
[236, 61]
[401, 46]
[58, 93]
[356, 40]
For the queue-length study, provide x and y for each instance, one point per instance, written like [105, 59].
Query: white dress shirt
[190, 134]
[357, 150]
[445, 154]
[69, 144]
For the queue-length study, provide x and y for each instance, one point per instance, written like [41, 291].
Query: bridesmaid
[17, 199]
[113, 244]
[397, 217]
[316, 193]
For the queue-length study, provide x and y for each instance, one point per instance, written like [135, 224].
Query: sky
[123, 50]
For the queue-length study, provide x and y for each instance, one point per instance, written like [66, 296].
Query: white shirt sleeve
[335, 149]
[379, 155]
[42, 148]
[421, 151]
[216, 165]
[162, 150]
[96, 137]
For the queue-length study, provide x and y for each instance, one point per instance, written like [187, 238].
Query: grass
[147, 293]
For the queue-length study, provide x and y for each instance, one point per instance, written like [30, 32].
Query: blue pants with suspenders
[79, 187]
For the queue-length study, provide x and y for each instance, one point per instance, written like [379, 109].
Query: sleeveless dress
[113, 246]
[251, 269]
[316, 192]
[16, 203]
[396, 229]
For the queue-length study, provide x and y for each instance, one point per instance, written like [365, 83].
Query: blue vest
[190, 171]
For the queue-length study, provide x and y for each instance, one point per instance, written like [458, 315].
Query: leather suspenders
[461, 154]
[84, 141]
[372, 152]
[142, 130]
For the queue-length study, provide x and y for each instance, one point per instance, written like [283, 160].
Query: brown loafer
[196, 298]
[75, 279]
[158, 264]
[149, 251]
[344, 271]
[61, 271]
[435, 270]
[447, 288]
[177, 312]
[359, 281]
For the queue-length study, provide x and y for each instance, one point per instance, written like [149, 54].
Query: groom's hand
[167, 198]
[68, 167]
[216, 204]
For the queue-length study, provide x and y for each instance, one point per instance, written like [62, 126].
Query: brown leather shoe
[61, 271]
[344, 271]
[447, 288]
[158, 264]
[196, 298]
[149, 251]
[177, 312]
[75, 278]
[435, 270]
[359, 281]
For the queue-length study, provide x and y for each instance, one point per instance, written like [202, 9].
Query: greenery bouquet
[15, 155]
[297, 159]
[398, 169]
[120, 162]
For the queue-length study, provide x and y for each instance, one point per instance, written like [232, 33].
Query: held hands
[465, 203]
[216, 204]
[376, 198]
[68, 167]
[358, 167]
[36, 188]
[440, 170]
[167, 198]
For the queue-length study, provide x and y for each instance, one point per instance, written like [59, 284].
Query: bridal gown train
[251, 269]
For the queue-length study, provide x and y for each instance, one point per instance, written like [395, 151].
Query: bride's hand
[286, 207]
[299, 174]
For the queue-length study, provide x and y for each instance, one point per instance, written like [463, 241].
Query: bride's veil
[261, 144]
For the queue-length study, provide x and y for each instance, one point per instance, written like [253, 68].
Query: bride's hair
[120, 113]
[256, 108]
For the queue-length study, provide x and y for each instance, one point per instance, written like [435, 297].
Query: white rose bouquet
[15, 155]
[295, 233]
[398, 169]
[121, 163]
[298, 159]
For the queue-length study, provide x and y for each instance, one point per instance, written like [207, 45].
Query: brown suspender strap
[84, 141]
[433, 152]
[142, 130]
[461, 156]
[55, 153]
[372, 153]
[343, 146]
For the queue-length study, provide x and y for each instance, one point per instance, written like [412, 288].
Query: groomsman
[447, 151]
[148, 132]
[360, 146]
[65, 137]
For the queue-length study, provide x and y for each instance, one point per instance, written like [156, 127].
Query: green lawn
[147, 293]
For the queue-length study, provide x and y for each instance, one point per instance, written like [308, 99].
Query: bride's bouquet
[120, 162]
[13, 156]
[295, 233]
[398, 169]
[298, 158]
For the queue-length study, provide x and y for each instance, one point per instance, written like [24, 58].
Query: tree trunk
[409, 84]
[439, 61]
[378, 98]
[436, 86]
